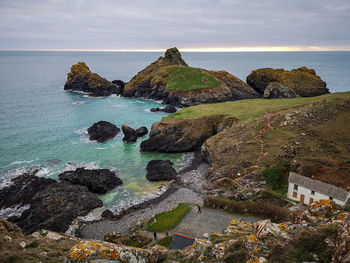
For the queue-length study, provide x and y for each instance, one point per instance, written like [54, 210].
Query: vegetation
[137, 241]
[167, 220]
[245, 110]
[165, 242]
[33, 244]
[265, 208]
[277, 176]
[187, 78]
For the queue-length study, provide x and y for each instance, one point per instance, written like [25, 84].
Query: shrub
[274, 177]
[165, 242]
[33, 244]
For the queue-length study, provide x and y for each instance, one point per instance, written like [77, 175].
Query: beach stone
[98, 181]
[55, 207]
[102, 131]
[141, 131]
[160, 170]
[167, 109]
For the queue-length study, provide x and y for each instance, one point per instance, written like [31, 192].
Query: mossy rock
[80, 78]
[303, 81]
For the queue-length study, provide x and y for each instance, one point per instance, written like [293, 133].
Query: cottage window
[296, 187]
[331, 198]
[312, 192]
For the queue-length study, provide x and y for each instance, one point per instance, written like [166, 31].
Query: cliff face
[303, 81]
[80, 78]
[171, 80]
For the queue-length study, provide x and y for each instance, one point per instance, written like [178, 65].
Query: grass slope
[250, 109]
[187, 78]
[169, 219]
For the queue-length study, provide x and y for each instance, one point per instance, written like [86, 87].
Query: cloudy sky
[159, 24]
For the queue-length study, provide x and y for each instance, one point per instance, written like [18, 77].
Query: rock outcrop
[160, 170]
[342, 243]
[183, 135]
[98, 181]
[303, 81]
[80, 78]
[22, 189]
[131, 135]
[170, 79]
[102, 131]
[167, 109]
[276, 90]
[55, 207]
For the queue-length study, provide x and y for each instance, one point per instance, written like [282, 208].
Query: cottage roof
[318, 186]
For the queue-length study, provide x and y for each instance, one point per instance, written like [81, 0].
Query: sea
[44, 127]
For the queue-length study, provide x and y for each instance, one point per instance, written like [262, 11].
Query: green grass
[250, 109]
[187, 78]
[165, 242]
[169, 219]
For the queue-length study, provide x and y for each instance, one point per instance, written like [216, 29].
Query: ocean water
[44, 126]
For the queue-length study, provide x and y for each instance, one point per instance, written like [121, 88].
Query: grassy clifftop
[250, 109]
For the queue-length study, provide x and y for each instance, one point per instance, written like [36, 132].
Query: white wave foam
[13, 211]
[115, 96]
[117, 106]
[9, 175]
[101, 148]
[21, 162]
[74, 165]
[138, 101]
[80, 102]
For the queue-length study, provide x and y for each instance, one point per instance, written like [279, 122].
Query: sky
[208, 25]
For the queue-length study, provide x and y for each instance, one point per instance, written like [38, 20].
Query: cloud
[158, 24]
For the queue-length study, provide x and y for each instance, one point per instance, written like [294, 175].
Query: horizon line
[214, 49]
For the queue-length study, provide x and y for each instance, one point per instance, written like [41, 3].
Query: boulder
[303, 81]
[102, 131]
[98, 181]
[55, 207]
[22, 189]
[141, 131]
[129, 134]
[160, 170]
[183, 135]
[277, 90]
[167, 109]
[120, 86]
[80, 78]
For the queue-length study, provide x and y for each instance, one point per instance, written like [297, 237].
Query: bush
[165, 242]
[34, 244]
[265, 208]
[274, 177]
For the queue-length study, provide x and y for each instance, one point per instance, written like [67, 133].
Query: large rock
[170, 79]
[131, 135]
[55, 207]
[167, 109]
[341, 250]
[303, 81]
[183, 135]
[80, 78]
[98, 181]
[102, 131]
[276, 90]
[160, 170]
[22, 189]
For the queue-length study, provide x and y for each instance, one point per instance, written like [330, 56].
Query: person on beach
[155, 236]
[199, 209]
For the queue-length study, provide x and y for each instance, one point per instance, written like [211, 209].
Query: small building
[307, 190]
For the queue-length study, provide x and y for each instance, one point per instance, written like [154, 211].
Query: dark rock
[98, 181]
[167, 109]
[303, 81]
[342, 243]
[102, 131]
[183, 135]
[129, 134]
[160, 170]
[108, 214]
[277, 90]
[55, 207]
[141, 131]
[23, 189]
[80, 78]
[120, 86]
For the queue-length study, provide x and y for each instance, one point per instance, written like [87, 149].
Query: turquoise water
[42, 125]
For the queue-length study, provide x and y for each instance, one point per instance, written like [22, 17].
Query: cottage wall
[307, 195]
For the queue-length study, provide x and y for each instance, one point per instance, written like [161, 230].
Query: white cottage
[307, 190]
